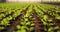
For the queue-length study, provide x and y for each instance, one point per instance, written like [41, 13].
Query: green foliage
[9, 11]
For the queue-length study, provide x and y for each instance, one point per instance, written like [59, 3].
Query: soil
[16, 22]
[39, 27]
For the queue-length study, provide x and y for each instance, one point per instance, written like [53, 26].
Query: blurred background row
[30, 0]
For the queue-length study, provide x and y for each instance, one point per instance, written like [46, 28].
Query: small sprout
[58, 17]
[28, 23]
[45, 17]
[1, 28]
[32, 24]
[18, 27]
[31, 28]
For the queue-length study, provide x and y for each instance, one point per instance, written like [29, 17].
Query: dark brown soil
[15, 23]
[55, 21]
[39, 27]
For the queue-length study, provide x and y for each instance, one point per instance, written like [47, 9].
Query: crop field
[29, 17]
